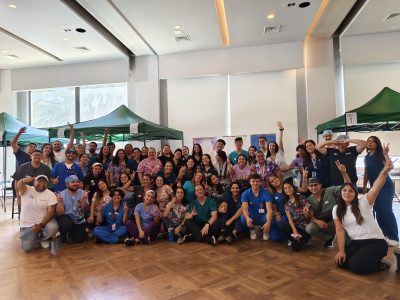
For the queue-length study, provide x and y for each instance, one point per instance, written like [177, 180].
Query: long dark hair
[201, 150]
[100, 158]
[276, 148]
[307, 156]
[286, 198]
[116, 158]
[342, 206]
[379, 148]
[52, 157]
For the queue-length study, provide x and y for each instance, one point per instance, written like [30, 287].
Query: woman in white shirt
[368, 246]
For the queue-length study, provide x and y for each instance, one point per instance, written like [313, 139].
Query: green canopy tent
[382, 112]
[9, 127]
[123, 124]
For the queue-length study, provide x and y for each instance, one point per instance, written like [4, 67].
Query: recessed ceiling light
[65, 39]
[178, 32]
[304, 4]
[271, 16]
[177, 27]
[12, 6]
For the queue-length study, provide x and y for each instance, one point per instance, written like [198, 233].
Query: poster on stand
[254, 138]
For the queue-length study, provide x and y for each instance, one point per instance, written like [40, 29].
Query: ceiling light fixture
[12, 6]
[12, 56]
[177, 27]
[270, 16]
[65, 39]
[178, 32]
[223, 24]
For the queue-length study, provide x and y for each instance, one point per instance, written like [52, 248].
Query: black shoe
[329, 243]
[211, 240]
[184, 238]
[147, 241]
[162, 235]
[229, 239]
[129, 242]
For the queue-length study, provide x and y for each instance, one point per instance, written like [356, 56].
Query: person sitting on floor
[114, 216]
[200, 219]
[174, 212]
[354, 217]
[146, 225]
[71, 206]
[37, 212]
[322, 202]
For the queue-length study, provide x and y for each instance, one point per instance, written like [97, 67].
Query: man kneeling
[37, 212]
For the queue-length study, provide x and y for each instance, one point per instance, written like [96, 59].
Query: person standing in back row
[233, 156]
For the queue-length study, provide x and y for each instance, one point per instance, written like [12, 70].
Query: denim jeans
[30, 239]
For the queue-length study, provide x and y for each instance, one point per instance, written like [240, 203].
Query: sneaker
[129, 242]
[211, 240]
[45, 244]
[265, 236]
[221, 238]
[253, 234]
[392, 243]
[229, 239]
[289, 243]
[147, 241]
[182, 239]
[329, 243]
[89, 233]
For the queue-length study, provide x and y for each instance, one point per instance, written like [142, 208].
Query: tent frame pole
[4, 170]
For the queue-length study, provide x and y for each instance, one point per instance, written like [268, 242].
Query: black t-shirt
[27, 170]
[21, 157]
[347, 158]
[91, 182]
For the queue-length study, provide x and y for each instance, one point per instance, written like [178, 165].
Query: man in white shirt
[37, 212]
[59, 153]
[213, 153]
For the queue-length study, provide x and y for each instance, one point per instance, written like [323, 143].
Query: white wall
[99, 72]
[232, 61]
[7, 97]
[259, 100]
[370, 48]
[361, 83]
[198, 106]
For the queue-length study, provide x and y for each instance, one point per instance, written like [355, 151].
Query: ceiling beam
[96, 25]
[29, 44]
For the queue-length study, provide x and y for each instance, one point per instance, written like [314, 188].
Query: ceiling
[43, 32]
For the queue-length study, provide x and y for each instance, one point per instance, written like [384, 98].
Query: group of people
[134, 196]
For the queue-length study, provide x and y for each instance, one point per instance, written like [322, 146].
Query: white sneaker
[45, 244]
[253, 234]
[265, 236]
[392, 243]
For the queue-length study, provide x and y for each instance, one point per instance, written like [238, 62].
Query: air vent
[82, 48]
[272, 29]
[182, 38]
[391, 17]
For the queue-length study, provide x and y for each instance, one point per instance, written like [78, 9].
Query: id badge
[113, 227]
[261, 211]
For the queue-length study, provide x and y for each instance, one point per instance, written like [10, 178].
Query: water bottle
[171, 237]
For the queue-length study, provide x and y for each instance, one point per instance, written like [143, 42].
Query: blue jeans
[383, 209]
[30, 239]
[259, 220]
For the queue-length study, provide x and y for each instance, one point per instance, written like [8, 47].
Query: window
[52, 107]
[99, 100]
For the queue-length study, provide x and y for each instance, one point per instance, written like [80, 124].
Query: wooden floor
[245, 270]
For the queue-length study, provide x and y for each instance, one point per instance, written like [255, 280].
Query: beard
[73, 189]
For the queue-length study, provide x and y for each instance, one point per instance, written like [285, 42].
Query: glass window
[99, 100]
[53, 107]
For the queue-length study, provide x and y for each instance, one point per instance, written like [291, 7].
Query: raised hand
[341, 167]
[22, 130]
[71, 126]
[279, 124]
[106, 130]
[301, 140]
